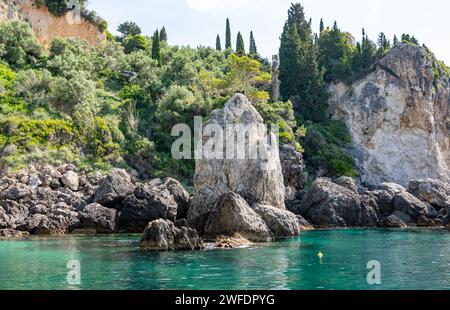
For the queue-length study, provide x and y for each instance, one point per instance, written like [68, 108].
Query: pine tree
[129, 29]
[253, 50]
[240, 46]
[218, 43]
[301, 79]
[228, 35]
[322, 26]
[156, 48]
[163, 35]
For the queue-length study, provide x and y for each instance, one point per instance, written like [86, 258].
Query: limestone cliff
[399, 117]
[47, 26]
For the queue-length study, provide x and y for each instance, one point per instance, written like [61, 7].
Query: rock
[114, 188]
[404, 217]
[162, 235]
[304, 224]
[180, 195]
[34, 181]
[31, 223]
[347, 182]
[233, 242]
[232, 215]
[423, 221]
[145, 205]
[102, 219]
[6, 234]
[60, 219]
[293, 167]
[398, 118]
[18, 192]
[256, 180]
[5, 221]
[393, 222]
[329, 205]
[431, 191]
[70, 180]
[408, 204]
[282, 224]
[202, 205]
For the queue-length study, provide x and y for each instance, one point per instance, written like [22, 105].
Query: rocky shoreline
[235, 202]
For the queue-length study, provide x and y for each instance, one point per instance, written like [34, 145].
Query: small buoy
[320, 255]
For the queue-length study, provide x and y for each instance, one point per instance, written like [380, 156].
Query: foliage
[240, 46]
[253, 50]
[129, 29]
[218, 44]
[135, 43]
[228, 35]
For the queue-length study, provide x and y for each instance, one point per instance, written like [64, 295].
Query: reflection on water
[410, 259]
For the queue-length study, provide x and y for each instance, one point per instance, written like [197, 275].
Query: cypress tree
[240, 47]
[228, 35]
[395, 40]
[322, 26]
[156, 48]
[163, 35]
[218, 43]
[253, 50]
[301, 79]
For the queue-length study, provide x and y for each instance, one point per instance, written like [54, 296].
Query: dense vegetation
[115, 105]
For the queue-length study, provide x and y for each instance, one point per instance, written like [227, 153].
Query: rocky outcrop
[328, 204]
[102, 219]
[162, 235]
[47, 26]
[256, 180]
[399, 118]
[434, 192]
[232, 215]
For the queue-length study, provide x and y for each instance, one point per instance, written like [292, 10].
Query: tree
[383, 43]
[228, 35]
[240, 47]
[218, 44]
[301, 79]
[395, 40]
[135, 43]
[253, 50]
[322, 27]
[245, 76]
[156, 48]
[128, 29]
[163, 35]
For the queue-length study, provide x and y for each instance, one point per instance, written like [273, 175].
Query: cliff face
[47, 26]
[399, 118]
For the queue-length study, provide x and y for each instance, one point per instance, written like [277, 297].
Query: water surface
[410, 259]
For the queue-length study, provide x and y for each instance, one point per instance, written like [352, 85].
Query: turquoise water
[410, 259]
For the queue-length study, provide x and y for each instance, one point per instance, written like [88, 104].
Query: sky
[197, 22]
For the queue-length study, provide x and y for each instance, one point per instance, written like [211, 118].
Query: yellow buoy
[320, 255]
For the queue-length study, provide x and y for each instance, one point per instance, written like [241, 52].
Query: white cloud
[217, 5]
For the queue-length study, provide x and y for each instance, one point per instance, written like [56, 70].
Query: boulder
[293, 167]
[102, 219]
[60, 219]
[282, 224]
[257, 180]
[408, 204]
[145, 205]
[162, 235]
[180, 195]
[6, 234]
[17, 192]
[304, 224]
[431, 191]
[70, 179]
[329, 205]
[393, 222]
[202, 205]
[114, 188]
[347, 182]
[232, 215]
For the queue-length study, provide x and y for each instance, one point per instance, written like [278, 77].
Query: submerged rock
[6, 234]
[256, 180]
[233, 242]
[162, 235]
[232, 215]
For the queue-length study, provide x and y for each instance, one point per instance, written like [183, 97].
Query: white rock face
[399, 118]
[246, 177]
